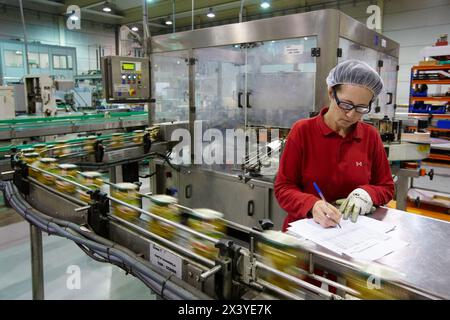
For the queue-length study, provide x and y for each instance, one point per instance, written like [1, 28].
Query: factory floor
[98, 280]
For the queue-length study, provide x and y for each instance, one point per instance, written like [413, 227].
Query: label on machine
[165, 260]
[121, 88]
[293, 49]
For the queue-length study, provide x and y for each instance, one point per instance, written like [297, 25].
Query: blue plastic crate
[419, 108]
[437, 109]
[443, 124]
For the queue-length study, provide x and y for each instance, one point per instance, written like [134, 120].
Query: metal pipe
[278, 290]
[25, 38]
[240, 11]
[146, 31]
[173, 16]
[297, 281]
[192, 15]
[37, 266]
[335, 284]
[205, 275]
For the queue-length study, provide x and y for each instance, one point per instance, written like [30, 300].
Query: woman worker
[335, 149]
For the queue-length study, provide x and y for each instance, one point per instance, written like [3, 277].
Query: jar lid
[91, 174]
[206, 214]
[281, 239]
[67, 166]
[126, 186]
[162, 199]
[138, 131]
[31, 155]
[28, 150]
[48, 160]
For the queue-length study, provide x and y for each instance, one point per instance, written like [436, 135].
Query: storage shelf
[426, 115]
[439, 129]
[431, 81]
[447, 98]
[439, 157]
[436, 67]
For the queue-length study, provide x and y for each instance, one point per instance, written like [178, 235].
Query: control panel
[126, 79]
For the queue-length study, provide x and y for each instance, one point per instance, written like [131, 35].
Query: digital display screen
[127, 66]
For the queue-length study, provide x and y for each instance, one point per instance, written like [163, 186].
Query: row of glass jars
[64, 148]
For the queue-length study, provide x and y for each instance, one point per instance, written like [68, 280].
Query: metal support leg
[115, 174]
[37, 263]
[403, 184]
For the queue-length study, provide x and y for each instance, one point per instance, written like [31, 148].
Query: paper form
[366, 239]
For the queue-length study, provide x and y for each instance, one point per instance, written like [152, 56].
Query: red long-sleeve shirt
[315, 153]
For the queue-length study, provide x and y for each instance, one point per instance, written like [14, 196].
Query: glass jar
[68, 169]
[138, 136]
[89, 143]
[61, 149]
[27, 150]
[39, 147]
[208, 222]
[30, 158]
[126, 192]
[91, 178]
[65, 186]
[117, 140]
[163, 206]
[281, 251]
[50, 165]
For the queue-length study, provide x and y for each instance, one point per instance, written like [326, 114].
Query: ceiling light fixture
[135, 29]
[210, 13]
[265, 4]
[168, 21]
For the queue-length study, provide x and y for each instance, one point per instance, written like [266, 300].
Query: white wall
[47, 29]
[414, 24]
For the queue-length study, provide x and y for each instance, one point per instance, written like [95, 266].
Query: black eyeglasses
[363, 109]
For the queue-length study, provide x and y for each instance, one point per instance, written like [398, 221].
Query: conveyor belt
[31, 127]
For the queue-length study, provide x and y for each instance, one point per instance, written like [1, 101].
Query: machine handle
[239, 99]
[431, 174]
[248, 99]
[188, 191]
[390, 97]
[250, 208]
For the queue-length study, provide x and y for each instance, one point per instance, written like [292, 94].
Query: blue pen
[323, 198]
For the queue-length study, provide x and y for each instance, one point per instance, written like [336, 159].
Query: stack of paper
[367, 239]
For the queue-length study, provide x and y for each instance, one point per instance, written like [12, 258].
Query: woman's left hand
[358, 202]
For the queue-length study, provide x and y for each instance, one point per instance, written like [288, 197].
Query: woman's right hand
[326, 214]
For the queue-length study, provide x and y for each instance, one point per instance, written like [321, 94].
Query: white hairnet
[358, 73]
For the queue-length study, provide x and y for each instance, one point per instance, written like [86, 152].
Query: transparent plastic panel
[280, 82]
[352, 50]
[171, 76]
[219, 103]
[387, 96]
[217, 71]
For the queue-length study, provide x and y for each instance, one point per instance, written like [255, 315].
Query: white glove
[358, 202]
